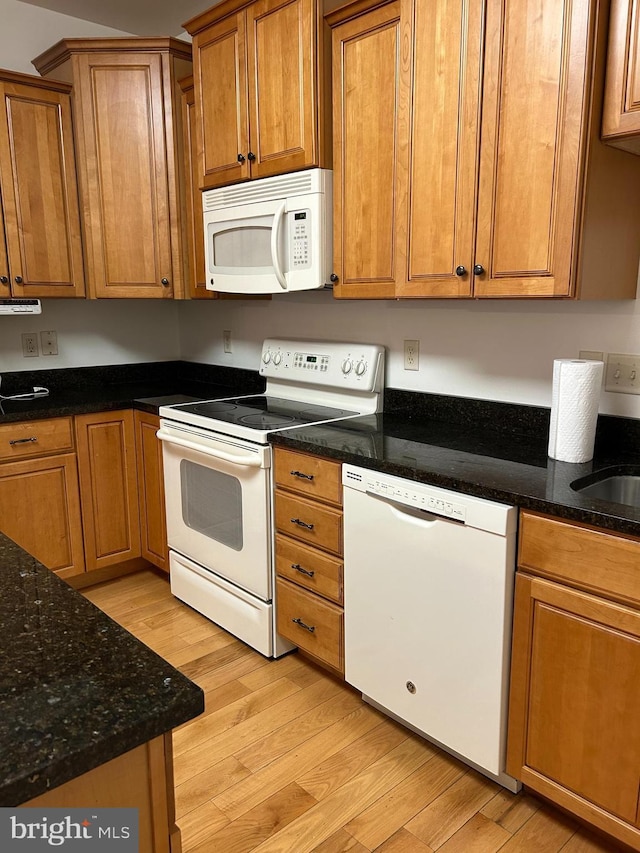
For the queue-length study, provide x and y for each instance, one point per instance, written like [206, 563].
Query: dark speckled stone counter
[492, 451]
[76, 689]
[79, 391]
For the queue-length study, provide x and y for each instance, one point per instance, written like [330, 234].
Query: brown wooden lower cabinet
[108, 487]
[153, 520]
[574, 732]
[141, 778]
[40, 510]
[39, 493]
[308, 521]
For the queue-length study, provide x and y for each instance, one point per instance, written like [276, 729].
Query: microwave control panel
[299, 239]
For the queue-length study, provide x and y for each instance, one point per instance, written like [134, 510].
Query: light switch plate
[622, 374]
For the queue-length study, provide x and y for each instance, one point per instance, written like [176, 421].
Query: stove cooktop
[260, 414]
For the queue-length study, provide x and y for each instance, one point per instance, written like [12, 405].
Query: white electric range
[218, 483]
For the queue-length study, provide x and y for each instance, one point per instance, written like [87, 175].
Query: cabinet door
[153, 520]
[195, 226]
[220, 71]
[108, 485]
[573, 718]
[39, 192]
[621, 110]
[282, 68]
[5, 285]
[124, 171]
[532, 120]
[40, 510]
[371, 67]
[443, 151]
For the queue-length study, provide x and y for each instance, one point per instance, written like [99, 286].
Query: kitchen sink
[612, 484]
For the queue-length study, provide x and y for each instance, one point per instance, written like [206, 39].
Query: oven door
[218, 504]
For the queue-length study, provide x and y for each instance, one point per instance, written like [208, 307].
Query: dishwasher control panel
[427, 498]
[474, 512]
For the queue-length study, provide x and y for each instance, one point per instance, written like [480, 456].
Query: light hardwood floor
[286, 758]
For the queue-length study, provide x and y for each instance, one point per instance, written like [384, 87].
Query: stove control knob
[347, 366]
[266, 357]
[361, 367]
[277, 358]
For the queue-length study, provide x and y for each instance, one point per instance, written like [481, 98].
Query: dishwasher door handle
[413, 515]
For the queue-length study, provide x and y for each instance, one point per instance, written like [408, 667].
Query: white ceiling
[140, 17]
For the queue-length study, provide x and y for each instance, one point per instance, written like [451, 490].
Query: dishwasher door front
[428, 608]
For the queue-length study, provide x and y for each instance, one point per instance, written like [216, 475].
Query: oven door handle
[249, 461]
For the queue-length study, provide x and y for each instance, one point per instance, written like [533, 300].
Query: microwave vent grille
[266, 189]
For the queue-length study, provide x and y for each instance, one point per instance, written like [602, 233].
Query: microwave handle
[275, 234]
[250, 461]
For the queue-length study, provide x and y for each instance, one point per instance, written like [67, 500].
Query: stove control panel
[348, 366]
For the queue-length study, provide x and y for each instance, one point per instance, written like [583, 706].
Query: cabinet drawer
[323, 635]
[309, 568]
[595, 560]
[35, 438]
[309, 475]
[308, 521]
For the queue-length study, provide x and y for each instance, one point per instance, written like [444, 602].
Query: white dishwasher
[428, 599]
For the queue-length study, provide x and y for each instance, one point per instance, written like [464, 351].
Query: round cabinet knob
[478, 269]
[333, 277]
[18, 279]
[361, 367]
[266, 357]
[461, 270]
[164, 282]
[277, 358]
[241, 158]
[4, 279]
[347, 366]
[251, 156]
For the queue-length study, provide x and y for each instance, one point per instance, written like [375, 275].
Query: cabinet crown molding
[62, 50]
[18, 77]
[216, 13]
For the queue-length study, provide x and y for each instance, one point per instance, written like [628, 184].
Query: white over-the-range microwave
[272, 235]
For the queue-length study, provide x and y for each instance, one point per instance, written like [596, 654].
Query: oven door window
[212, 503]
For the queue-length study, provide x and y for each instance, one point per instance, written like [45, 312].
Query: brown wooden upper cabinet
[261, 89]
[40, 243]
[127, 121]
[621, 113]
[467, 155]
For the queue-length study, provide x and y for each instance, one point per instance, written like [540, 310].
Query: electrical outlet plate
[49, 343]
[30, 344]
[226, 340]
[622, 374]
[411, 355]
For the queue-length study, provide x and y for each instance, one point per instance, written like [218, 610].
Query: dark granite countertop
[79, 391]
[492, 451]
[76, 689]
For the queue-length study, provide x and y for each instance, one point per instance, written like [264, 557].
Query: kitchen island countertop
[76, 689]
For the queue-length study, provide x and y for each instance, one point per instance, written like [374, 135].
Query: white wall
[27, 31]
[498, 350]
[94, 332]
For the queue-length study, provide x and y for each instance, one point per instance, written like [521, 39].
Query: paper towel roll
[574, 409]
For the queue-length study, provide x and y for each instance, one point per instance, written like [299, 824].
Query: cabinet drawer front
[295, 609]
[309, 568]
[309, 522]
[33, 438]
[592, 559]
[309, 475]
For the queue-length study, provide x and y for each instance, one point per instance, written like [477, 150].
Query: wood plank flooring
[286, 758]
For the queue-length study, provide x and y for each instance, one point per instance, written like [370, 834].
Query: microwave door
[244, 248]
